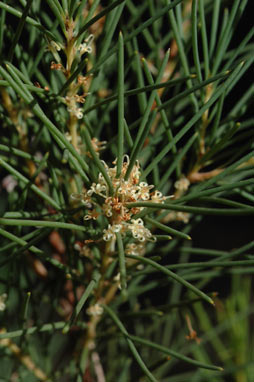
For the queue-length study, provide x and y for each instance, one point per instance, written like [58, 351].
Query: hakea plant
[100, 279]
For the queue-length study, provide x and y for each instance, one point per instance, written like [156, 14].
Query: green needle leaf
[120, 138]
[172, 275]
[90, 287]
[19, 29]
[173, 353]
[131, 345]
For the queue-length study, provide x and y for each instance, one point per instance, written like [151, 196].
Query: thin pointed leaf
[174, 354]
[120, 102]
[97, 160]
[99, 16]
[89, 289]
[33, 187]
[167, 229]
[173, 276]
[41, 223]
[193, 120]
[194, 26]
[19, 29]
[132, 347]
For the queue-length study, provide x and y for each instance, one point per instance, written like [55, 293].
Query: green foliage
[126, 148]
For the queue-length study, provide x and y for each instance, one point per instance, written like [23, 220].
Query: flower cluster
[72, 100]
[115, 207]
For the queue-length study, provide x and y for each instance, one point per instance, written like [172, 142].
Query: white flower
[138, 230]
[97, 188]
[3, 297]
[84, 198]
[54, 46]
[144, 190]
[158, 197]
[86, 46]
[77, 111]
[110, 232]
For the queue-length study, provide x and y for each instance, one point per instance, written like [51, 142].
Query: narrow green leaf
[193, 120]
[137, 142]
[182, 54]
[105, 44]
[120, 101]
[132, 347]
[210, 264]
[194, 28]
[146, 24]
[162, 237]
[137, 91]
[74, 75]
[24, 314]
[18, 152]
[18, 240]
[2, 29]
[79, 10]
[222, 143]
[204, 38]
[33, 187]
[177, 160]
[19, 14]
[41, 223]
[173, 353]
[214, 28]
[137, 68]
[19, 87]
[225, 38]
[183, 94]
[58, 12]
[104, 12]
[195, 210]
[197, 190]
[127, 135]
[203, 251]
[142, 138]
[173, 276]
[167, 229]
[240, 49]
[90, 287]
[97, 160]
[218, 108]
[164, 118]
[34, 329]
[19, 29]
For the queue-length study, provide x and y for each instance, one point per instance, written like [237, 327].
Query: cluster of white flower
[72, 106]
[120, 217]
[72, 102]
